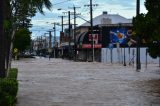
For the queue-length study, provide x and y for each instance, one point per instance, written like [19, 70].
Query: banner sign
[118, 35]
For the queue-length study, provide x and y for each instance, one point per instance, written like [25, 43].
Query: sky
[43, 23]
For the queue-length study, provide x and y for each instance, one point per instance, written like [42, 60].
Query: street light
[74, 31]
[55, 40]
[69, 30]
[50, 44]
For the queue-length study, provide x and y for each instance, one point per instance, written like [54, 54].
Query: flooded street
[65, 83]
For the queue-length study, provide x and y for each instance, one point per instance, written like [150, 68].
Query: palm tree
[39, 4]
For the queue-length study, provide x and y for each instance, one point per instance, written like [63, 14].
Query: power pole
[61, 33]
[91, 18]
[75, 45]
[91, 22]
[62, 17]
[45, 42]
[138, 63]
[54, 34]
[50, 44]
[69, 23]
[2, 39]
[69, 30]
[54, 39]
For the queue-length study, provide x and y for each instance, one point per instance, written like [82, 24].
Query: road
[66, 83]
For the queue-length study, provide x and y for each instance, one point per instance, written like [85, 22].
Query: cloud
[126, 8]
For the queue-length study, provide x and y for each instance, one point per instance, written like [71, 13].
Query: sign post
[49, 51]
[15, 53]
[111, 48]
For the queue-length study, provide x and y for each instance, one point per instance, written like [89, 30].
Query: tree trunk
[2, 39]
[7, 32]
[11, 49]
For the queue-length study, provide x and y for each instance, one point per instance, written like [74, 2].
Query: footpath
[66, 83]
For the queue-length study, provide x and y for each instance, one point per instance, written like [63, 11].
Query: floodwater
[66, 83]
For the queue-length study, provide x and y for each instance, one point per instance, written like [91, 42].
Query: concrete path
[65, 83]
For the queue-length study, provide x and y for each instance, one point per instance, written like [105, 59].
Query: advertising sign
[118, 35]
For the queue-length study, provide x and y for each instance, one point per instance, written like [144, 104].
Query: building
[103, 25]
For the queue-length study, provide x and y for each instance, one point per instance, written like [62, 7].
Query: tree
[147, 26]
[22, 11]
[154, 49]
[22, 39]
[18, 14]
[2, 55]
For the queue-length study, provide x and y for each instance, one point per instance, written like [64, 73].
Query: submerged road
[66, 83]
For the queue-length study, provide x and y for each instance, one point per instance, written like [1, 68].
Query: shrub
[9, 88]
[13, 73]
[6, 99]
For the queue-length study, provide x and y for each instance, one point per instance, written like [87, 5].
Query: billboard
[120, 35]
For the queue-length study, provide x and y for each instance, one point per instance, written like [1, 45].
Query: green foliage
[13, 73]
[153, 7]
[9, 86]
[39, 4]
[147, 26]
[154, 49]
[22, 39]
[6, 99]
[7, 24]
[8, 89]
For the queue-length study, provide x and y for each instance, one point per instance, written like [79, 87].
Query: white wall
[106, 55]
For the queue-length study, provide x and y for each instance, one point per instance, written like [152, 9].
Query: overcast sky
[43, 23]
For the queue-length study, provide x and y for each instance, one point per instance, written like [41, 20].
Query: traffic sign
[15, 50]
[110, 46]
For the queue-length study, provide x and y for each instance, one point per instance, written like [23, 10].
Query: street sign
[129, 43]
[15, 50]
[110, 46]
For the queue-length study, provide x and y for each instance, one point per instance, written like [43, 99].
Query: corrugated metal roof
[108, 19]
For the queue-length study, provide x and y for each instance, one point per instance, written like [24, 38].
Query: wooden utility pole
[55, 39]
[62, 17]
[91, 19]
[91, 22]
[138, 63]
[69, 28]
[74, 34]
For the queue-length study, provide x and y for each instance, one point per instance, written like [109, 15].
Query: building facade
[107, 28]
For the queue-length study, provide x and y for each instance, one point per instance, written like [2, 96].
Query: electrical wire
[62, 2]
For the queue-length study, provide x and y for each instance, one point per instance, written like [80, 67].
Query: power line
[62, 2]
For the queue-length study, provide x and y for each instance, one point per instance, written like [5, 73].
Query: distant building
[108, 19]
[106, 29]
